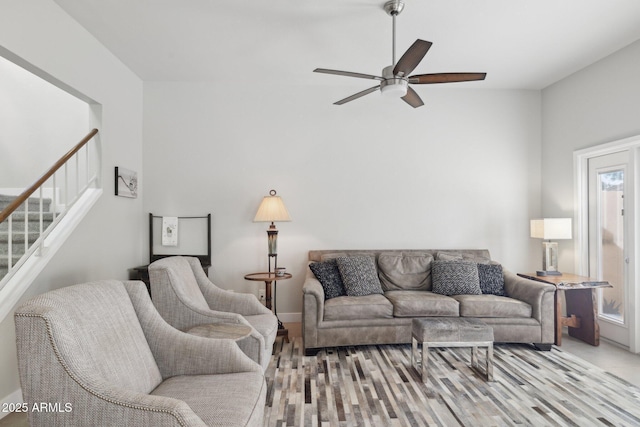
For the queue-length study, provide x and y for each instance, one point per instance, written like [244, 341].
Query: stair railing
[72, 192]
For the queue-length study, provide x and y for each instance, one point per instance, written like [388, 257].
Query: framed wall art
[126, 183]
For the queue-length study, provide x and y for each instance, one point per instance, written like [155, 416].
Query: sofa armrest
[312, 310]
[539, 295]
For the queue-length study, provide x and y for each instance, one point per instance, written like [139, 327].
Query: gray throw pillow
[455, 278]
[359, 275]
[491, 279]
[329, 277]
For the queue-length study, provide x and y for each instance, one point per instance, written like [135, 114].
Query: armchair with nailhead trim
[102, 353]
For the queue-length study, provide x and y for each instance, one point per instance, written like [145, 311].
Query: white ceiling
[526, 44]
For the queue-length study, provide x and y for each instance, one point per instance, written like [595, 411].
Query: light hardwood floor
[607, 356]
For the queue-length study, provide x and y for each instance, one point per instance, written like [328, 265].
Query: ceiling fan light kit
[393, 86]
[395, 79]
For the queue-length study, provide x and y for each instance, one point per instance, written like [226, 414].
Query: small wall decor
[126, 183]
[169, 231]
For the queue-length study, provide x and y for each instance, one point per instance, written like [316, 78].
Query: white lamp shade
[272, 209]
[551, 228]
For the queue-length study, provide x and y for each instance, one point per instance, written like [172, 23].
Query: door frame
[632, 224]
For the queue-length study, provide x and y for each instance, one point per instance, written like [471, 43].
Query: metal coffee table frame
[421, 363]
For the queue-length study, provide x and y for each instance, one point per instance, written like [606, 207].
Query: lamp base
[548, 273]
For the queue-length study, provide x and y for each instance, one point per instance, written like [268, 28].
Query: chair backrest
[176, 273]
[90, 330]
[174, 285]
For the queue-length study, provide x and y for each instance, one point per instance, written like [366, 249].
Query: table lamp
[548, 229]
[272, 209]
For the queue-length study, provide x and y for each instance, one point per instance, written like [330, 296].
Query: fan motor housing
[393, 86]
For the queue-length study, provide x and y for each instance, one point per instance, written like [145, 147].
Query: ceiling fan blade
[357, 95]
[422, 79]
[347, 73]
[411, 57]
[412, 98]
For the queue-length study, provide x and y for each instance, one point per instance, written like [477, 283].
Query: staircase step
[17, 238]
[33, 216]
[4, 259]
[17, 222]
[34, 203]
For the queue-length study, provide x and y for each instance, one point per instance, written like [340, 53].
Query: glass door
[607, 225]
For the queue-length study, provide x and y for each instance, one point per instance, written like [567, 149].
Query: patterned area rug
[376, 386]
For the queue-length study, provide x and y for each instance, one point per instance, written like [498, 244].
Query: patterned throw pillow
[359, 275]
[455, 278]
[491, 279]
[329, 277]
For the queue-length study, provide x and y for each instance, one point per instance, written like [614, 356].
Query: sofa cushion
[409, 271]
[478, 256]
[329, 277]
[359, 275]
[422, 304]
[333, 255]
[491, 279]
[444, 256]
[455, 277]
[373, 306]
[492, 306]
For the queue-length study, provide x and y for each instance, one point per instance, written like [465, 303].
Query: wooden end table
[581, 304]
[268, 278]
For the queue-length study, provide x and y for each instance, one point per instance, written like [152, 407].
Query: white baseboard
[15, 397]
[290, 317]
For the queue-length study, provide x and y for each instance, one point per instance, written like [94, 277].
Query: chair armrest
[107, 405]
[178, 353]
[312, 309]
[223, 300]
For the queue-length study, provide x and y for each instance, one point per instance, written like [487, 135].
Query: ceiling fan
[395, 80]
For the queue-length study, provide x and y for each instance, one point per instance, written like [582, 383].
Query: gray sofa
[524, 315]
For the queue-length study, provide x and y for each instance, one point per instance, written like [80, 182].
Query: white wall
[461, 172]
[38, 118]
[38, 34]
[596, 105]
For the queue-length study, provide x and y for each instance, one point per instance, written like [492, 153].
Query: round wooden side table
[270, 278]
[232, 331]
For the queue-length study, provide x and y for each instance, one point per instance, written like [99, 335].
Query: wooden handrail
[29, 191]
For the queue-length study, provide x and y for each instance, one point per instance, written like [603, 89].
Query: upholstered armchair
[99, 354]
[186, 298]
